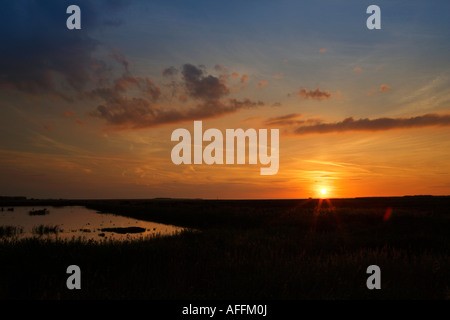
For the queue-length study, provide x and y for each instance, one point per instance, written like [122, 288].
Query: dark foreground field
[261, 249]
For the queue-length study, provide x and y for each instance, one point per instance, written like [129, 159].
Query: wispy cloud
[291, 120]
[379, 124]
[250, 119]
[69, 113]
[383, 88]
[278, 76]
[120, 58]
[286, 120]
[314, 94]
[244, 80]
[262, 83]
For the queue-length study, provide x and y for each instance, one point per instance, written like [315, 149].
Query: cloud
[278, 76]
[251, 119]
[286, 120]
[244, 80]
[182, 98]
[171, 71]
[133, 102]
[203, 87]
[69, 113]
[314, 94]
[138, 114]
[212, 109]
[379, 124]
[357, 69]
[383, 88]
[291, 120]
[120, 58]
[113, 94]
[72, 114]
[323, 50]
[80, 122]
[262, 83]
[40, 55]
[124, 111]
[220, 68]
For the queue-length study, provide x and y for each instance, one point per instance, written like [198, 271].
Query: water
[77, 222]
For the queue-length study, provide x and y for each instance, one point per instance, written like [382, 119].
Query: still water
[75, 222]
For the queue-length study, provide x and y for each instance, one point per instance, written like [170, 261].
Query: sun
[323, 191]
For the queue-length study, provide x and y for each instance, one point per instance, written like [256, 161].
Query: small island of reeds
[39, 212]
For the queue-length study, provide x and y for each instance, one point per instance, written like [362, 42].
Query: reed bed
[260, 252]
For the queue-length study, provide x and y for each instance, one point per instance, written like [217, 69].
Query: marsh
[77, 222]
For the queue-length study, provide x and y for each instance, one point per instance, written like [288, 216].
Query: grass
[40, 212]
[249, 250]
[45, 230]
[10, 231]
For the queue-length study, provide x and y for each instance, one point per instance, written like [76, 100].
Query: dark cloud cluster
[127, 82]
[380, 124]
[170, 72]
[138, 113]
[39, 54]
[143, 110]
[209, 88]
[314, 94]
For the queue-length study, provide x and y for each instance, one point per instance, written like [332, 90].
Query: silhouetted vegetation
[248, 249]
[39, 212]
[10, 231]
[45, 230]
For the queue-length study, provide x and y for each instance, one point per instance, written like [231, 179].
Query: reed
[45, 230]
[263, 251]
[40, 212]
[10, 231]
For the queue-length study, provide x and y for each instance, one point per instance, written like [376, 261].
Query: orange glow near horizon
[372, 122]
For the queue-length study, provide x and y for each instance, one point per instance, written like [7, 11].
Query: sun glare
[323, 191]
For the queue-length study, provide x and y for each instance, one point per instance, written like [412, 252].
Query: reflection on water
[75, 222]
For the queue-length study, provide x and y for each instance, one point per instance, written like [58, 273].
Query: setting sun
[323, 191]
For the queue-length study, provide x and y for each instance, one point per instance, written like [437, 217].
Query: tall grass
[263, 251]
[45, 230]
[10, 231]
[40, 212]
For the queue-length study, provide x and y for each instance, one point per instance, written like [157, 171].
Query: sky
[89, 113]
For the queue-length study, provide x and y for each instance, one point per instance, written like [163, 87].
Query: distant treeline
[12, 198]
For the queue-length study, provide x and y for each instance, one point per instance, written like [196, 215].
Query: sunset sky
[89, 113]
